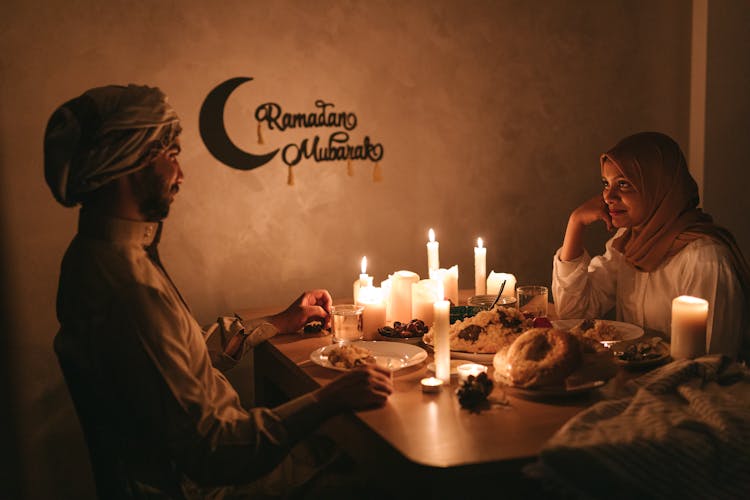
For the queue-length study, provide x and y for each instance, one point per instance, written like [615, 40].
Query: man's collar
[118, 230]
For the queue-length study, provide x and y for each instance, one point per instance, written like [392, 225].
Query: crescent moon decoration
[214, 133]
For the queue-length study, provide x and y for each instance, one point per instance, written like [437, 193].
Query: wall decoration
[337, 147]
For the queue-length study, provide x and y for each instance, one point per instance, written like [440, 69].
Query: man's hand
[361, 388]
[314, 305]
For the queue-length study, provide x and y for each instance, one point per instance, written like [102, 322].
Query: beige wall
[492, 115]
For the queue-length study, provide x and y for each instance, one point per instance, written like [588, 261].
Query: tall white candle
[440, 328]
[449, 279]
[401, 283]
[480, 268]
[385, 285]
[433, 255]
[423, 295]
[688, 332]
[373, 315]
[364, 279]
[495, 280]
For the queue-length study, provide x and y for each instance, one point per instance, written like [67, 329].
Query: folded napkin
[682, 432]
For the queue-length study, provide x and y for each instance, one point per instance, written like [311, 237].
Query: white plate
[554, 392]
[392, 355]
[476, 357]
[626, 331]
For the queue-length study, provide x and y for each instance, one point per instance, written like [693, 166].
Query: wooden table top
[429, 431]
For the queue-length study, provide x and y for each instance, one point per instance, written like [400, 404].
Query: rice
[596, 330]
[486, 332]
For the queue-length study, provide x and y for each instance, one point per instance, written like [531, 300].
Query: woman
[664, 247]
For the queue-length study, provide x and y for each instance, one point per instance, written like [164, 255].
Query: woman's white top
[589, 288]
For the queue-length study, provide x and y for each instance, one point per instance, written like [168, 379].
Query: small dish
[645, 354]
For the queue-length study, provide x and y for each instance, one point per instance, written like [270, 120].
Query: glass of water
[346, 323]
[532, 300]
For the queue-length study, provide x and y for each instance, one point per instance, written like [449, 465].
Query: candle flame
[364, 265]
[479, 242]
[432, 235]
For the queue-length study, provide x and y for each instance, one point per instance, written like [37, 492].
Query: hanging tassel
[290, 178]
[349, 169]
[377, 173]
[260, 135]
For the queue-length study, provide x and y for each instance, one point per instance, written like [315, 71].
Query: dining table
[423, 442]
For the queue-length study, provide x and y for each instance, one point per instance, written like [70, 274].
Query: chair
[110, 474]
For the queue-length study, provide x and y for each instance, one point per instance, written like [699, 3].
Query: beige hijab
[656, 167]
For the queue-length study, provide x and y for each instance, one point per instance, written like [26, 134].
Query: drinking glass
[346, 323]
[532, 300]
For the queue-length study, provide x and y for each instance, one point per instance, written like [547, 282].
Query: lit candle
[433, 256]
[441, 338]
[480, 268]
[494, 280]
[373, 315]
[688, 334]
[401, 283]
[431, 384]
[364, 279]
[423, 295]
[449, 279]
[467, 369]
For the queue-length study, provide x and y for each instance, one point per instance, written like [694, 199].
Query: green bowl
[459, 313]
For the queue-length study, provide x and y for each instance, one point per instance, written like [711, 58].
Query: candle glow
[374, 313]
[433, 255]
[480, 268]
[442, 340]
[689, 322]
[467, 369]
[431, 384]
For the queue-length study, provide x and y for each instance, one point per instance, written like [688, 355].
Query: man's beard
[154, 199]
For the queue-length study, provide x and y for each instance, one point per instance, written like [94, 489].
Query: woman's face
[626, 205]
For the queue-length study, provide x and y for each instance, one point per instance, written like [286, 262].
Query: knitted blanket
[683, 432]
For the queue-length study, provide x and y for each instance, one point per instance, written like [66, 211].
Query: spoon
[499, 294]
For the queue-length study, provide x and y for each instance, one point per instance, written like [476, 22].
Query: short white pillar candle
[688, 332]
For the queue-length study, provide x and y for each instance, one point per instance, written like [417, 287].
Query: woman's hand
[586, 214]
[591, 211]
[361, 388]
[314, 305]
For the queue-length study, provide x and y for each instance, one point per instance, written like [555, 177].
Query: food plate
[476, 357]
[392, 355]
[594, 372]
[659, 349]
[626, 331]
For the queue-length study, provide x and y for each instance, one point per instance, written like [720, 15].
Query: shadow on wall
[10, 477]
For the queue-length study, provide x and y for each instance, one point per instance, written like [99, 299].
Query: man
[153, 405]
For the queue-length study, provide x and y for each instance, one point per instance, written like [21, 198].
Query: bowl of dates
[410, 332]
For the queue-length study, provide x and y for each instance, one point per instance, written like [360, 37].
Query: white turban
[105, 133]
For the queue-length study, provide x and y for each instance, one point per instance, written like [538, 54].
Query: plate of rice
[479, 337]
[601, 330]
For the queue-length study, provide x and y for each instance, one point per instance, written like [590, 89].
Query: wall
[728, 118]
[492, 115]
